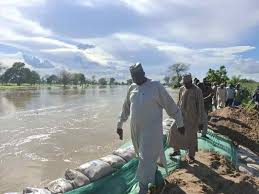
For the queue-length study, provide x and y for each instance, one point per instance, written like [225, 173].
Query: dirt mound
[240, 125]
[210, 174]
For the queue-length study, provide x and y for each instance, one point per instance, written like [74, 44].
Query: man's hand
[200, 128]
[181, 130]
[120, 133]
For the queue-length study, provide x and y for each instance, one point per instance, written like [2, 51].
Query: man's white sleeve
[125, 111]
[167, 102]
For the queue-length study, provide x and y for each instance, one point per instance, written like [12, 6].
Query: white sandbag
[255, 168]
[126, 153]
[30, 190]
[96, 169]
[76, 178]
[13, 193]
[167, 123]
[60, 185]
[246, 151]
[246, 155]
[245, 169]
[246, 159]
[114, 161]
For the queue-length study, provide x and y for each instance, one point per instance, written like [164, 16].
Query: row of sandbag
[248, 162]
[87, 173]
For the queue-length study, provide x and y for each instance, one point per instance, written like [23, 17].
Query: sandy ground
[211, 174]
[240, 125]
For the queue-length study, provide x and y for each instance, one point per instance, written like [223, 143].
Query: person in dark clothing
[207, 93]
[256, 97]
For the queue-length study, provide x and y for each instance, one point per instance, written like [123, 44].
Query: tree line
[217, 76]
[19, 74]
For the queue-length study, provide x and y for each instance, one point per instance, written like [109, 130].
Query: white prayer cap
[187, 77]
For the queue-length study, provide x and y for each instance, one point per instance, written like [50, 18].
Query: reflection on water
[6, 106]
[43, 132]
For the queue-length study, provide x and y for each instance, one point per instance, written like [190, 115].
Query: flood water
[45, 131]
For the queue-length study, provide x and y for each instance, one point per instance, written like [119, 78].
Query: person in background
[145, 102]
[192, 107]
[214, 98]
[230, 95]
[238, 95]
[196, 81]
[256, 97]
[221, 96]
[207, 93]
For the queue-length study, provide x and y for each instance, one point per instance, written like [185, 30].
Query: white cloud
[13, 19]
[14, 25]
[200, 58]
[21, 3]
[198, 21]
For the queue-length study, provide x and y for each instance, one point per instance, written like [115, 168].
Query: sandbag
[76, 178]
[245, 169]
[13, 193]
[255, 168]
[115, 161]
[168, 123]
[96, 169]
[246, 155]
[60, 185]
[30, 190]
[126, 153]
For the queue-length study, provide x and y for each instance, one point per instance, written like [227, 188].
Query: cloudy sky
[104, 37]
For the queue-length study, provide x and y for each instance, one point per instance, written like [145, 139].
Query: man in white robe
[221, 96]
[145, 102]
[192, 107]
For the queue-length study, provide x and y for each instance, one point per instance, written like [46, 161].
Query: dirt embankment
[211, 174]
[240, 125]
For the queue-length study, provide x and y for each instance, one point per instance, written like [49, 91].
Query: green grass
[250, 86]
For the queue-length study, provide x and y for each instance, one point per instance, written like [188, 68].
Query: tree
[88, 81]
[27, 76]
[93, 80]
[53, 79]
[2, 69]
[129, 81]
[82, 79]
[65, 78]
[167, 80]
[235, 80]
[75, 78]
[112, 81]
[16, 74]
[177, 70]
[219, 76]
[34, 77]
[102, 81]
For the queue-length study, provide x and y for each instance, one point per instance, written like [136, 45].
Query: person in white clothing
[145, 102]
[221, 96]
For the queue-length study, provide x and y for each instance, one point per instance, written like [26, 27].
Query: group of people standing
[219, 96]
[144, 103]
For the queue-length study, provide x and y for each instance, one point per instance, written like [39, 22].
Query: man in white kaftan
[192, 106]
[145, 102]
[221, 96]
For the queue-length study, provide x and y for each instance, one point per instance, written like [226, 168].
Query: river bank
[211, 174]
[239, 124]
[39, 86]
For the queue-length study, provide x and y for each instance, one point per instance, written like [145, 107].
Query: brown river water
[45, 131]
